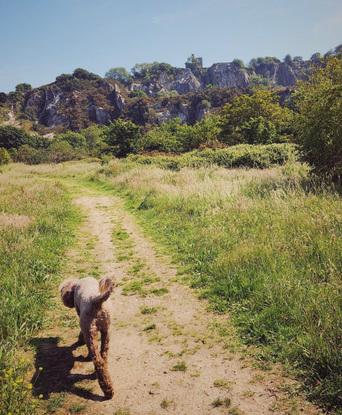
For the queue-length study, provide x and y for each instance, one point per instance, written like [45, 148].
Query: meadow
[36, 222]
[264, 245]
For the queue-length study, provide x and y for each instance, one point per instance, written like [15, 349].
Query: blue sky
[40, 39]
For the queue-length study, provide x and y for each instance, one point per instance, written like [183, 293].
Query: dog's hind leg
[104, 344]
[100, 363]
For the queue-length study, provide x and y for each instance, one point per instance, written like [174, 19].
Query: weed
[226, 402]
[148, 310]
[179, 367]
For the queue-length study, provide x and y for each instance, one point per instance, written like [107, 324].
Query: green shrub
[255, 119]
[121, 137]
[60, 151]
[76, 140]
[30, 155]
[4, 156]
[12, 137]
[243, 155]
[319, 122]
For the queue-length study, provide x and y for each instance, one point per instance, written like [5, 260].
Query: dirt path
[168, 353]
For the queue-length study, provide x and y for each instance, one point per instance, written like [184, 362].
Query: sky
[40, 39]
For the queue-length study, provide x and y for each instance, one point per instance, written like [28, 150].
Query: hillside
[151, 94]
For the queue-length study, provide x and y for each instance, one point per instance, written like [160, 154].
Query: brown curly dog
[90, 297]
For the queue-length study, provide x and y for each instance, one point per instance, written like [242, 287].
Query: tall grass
[260, 244]
[35, 221]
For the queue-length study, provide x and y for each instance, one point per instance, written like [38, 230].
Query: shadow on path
[53, 365]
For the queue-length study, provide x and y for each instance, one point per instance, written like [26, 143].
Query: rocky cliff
[154, 93]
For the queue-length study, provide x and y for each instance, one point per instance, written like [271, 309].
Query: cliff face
[75, 101]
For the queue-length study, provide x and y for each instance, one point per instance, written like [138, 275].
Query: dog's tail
[106, 288]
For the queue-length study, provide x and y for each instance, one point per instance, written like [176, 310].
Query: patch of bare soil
[168, 353]
[13, 220]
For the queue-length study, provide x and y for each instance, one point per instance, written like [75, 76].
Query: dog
[90, 297]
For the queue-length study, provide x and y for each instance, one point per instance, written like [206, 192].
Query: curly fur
[91, 300]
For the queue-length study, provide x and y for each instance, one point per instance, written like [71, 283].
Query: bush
[175, 137]
[243, 155]
[119, 74]
[319, 123]
[255, 119]
[30, 155]
[60, 151]
[76, 140]
[121, 137]
[12, 137]
[4, 156]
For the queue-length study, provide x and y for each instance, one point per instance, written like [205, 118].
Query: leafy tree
[84, 74]
[288, 59]
[255, 119]
[94, 137]
[76, 140]
[319, 123]
[238, 63]
[119, 74]
[12, 137]
[23, 88]
[121, 137]
[38, 142]
[147, 70]
[4, 156]
[316, 57]
[60, 151]
[3, 98]
[30, 155]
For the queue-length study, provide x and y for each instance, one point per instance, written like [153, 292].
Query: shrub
[30, 155]
[119, 74]
[94, 137]
[121, 137]
[60, 151]
[319, 123]
[243, 155]
[12, 137]
[4, 156]
[76, 140]
[255, 119]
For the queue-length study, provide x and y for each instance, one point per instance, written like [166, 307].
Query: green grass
[179, 367]
[265, 245]
[30, 258]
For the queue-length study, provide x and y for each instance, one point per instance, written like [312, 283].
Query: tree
[76, 140]
[121, 137]
[288, 59]
[238, 63]
[23, 88]
[12, 137]
[94, 136]
[316, 57]
[319, 123]
[119, 74]
[3, 98]
[84, 74]
[255, 119]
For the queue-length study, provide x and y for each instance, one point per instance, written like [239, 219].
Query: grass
[221, 402]
[30, 257]
[148, 310]
[264, 245]
[179, 367]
